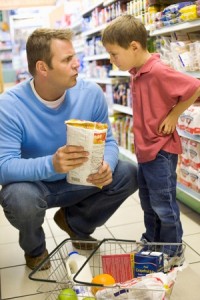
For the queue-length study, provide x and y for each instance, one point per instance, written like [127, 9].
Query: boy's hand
[168, 125]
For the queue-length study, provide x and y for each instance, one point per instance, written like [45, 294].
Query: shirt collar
[146, 67]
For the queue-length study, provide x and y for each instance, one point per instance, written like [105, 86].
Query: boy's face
[124, 59]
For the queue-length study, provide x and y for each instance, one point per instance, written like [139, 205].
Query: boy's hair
[123, 30]
[38, 46]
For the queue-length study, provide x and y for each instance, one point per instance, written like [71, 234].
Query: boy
[160, 94]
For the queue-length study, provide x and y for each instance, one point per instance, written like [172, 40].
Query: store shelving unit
[21, 26]
[6, 55]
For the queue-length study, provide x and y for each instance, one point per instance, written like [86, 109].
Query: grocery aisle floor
[126, 223]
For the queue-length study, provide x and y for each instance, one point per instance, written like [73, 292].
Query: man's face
[123, 58]
[65, 65]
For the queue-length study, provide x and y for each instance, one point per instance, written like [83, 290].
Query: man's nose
[76, 63]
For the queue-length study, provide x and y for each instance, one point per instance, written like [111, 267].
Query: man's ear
[134, 45]
[41, 67]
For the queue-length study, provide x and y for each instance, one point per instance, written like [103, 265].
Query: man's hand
[102, 177]
[68, 158]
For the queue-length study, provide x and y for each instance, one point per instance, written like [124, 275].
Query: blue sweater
[30, 132]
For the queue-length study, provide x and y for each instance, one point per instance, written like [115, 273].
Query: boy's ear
[134, 45]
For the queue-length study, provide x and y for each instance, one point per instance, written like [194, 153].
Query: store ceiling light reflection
[13, 4]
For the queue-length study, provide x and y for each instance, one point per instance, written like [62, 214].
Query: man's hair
[123, 30]
[38, 46]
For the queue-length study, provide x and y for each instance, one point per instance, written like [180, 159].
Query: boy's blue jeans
[157, 191]
[25, 205]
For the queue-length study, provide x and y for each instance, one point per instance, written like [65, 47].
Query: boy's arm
[169, 123]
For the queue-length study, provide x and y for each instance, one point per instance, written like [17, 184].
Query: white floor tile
[128, 231]
[126, 215]
[9, 234]
[3, 220]
[13, 255]
[194, 241]
[15, 282]
[196, 269]
[186, 286]
[191, 256]
[51, 212]
[190, 223]
[129, 201]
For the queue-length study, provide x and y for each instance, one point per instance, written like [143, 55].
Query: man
[34, 157]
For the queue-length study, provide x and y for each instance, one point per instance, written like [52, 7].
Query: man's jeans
[157, 191]
[25, 204]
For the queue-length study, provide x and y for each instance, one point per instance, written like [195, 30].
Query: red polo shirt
[156, 88]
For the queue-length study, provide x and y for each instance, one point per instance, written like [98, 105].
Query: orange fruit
[105, 279]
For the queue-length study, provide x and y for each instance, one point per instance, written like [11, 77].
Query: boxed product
[91, 136]
[194, 154]
[120, 266]
[147, 262]
[184, 175]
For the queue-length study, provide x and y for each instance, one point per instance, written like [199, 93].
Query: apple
[67, 294]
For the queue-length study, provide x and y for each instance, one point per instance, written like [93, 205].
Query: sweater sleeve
[14, 168]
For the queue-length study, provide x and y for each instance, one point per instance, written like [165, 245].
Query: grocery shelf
[185, 26]
[89, 9]
[128, 155]
[97, 57]
[119, 73]
[100, 80]
[123, 109]
[188, 135]
[188, 196]
[94, 30]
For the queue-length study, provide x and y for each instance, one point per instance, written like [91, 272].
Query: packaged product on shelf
[194, 178]
[195, 54]
[193, 119]
[194, 154]
[184, 175]
[92, 136]
[189, 120]
[185, 150]
[188, 13]
[199, 182]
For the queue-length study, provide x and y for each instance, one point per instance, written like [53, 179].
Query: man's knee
[22, 200]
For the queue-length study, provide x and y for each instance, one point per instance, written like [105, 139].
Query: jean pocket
[165, 154]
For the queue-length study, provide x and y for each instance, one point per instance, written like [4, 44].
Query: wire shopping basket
[111, 256]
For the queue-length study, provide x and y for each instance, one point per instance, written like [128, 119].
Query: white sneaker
[174, 261]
